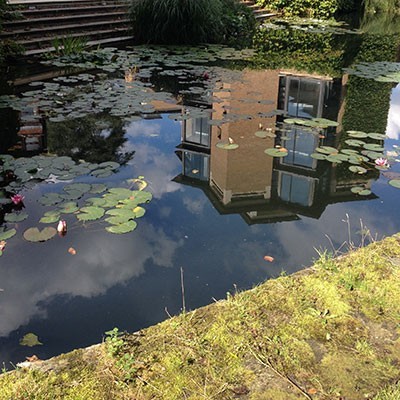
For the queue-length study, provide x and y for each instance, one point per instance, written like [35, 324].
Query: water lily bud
[62, 227]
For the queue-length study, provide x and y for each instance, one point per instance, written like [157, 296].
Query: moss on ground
[330, 332]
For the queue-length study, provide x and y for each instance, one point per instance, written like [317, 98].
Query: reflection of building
[247, 181]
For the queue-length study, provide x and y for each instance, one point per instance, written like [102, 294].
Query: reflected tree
[94, 138]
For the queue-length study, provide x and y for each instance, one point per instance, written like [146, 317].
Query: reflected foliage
[291, 48]
[373, 48]
[91, 138]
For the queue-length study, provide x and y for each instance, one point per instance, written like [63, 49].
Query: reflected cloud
[393, 123]
[99, 265]
[195, 206]
[142, 128]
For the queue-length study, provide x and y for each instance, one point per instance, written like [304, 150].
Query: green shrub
[189, 21]
[312, 8]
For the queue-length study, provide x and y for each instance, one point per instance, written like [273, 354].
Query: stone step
[91, 43]
[62, 30]
[96, 8]
[89, 35]
[57, 20]
[43, 21]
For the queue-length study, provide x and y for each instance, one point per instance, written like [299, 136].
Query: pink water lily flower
[62, 227]
[17, 199]
[382, 162]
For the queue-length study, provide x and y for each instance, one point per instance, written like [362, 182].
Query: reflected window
[300, 145]
[196, 165]
[302, 96]
[296, 189]
[197, 131]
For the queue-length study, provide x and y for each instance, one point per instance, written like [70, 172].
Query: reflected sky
[393, 124]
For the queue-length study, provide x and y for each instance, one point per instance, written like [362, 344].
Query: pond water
[246, 155]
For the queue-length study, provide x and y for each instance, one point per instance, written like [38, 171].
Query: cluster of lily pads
[117, 206]
[124, 87]
[26, 172]
[381, 71]
[311, 25]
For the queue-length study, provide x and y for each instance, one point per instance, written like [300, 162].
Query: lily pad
[326, 150]
[365, 192]
[90, 213]
[377, 136]
[393, 182]
[35, 235]
[13, 217]
[357, 189]
[81, 187]
[355, 142]
[357, 134]
[7, 234]
[373, 147]
[265, 134]
[97, 188]
[126, 227]
[318, 156]
[50, 199]
[227, 145]
[274, 152]
[69, 208]
[358, 170]
[349, 151]
[96, 201]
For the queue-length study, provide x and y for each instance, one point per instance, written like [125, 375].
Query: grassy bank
[331, 332]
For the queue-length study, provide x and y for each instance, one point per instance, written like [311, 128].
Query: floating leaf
[357, 134]
[227, 145]
[349, 151]
[393, 182]
[97, 188]
[15, 217]
[139, 212]
[326, 150]
[35, 235]
[377, 136]
[324, 122]
[80, 187]
[7, 234]
[357, 189]
[335, 158]
[30, 340]
[358, 170]
[318, 156]
[265, 134]
[50, 199]
[96, 201]
[126, 227]
[90, 213]
[69, 208]
[273, 152]
[365, 192]
[50, 217]
[373, 147]
[354, 142]
[110, 165]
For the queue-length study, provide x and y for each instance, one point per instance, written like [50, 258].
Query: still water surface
[215, 213]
